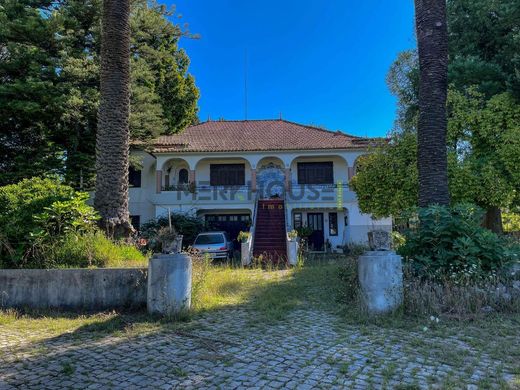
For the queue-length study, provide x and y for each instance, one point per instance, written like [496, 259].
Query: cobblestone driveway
[227, 350]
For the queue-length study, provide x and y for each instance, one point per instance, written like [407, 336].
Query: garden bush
[36, 211]
[183, 224]
[450, 242]
[92, 249]
[46, 224]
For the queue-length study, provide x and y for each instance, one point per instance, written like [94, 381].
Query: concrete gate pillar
[169, 284]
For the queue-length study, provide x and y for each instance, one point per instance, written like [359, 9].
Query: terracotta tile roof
[257, 135]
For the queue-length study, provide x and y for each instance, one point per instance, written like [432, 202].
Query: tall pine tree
[49, 84]
[30, 102]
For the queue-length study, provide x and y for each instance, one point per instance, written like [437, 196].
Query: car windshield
[205, 239]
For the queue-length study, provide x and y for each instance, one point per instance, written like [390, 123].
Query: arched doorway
[270, 178]
[183, 176]
[176, 174]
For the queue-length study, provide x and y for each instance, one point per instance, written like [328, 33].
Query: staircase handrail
[250, 241]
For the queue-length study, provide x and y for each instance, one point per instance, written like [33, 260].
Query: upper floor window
[134, 177]
[315, 172]
[227, 174]
[183, 176]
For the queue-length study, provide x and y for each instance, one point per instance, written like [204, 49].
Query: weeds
[455, 300]
[424, 298]
[67, 369]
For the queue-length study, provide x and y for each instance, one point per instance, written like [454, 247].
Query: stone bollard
[169, 284]
[245, 254]
[381, 279]
[292, 252]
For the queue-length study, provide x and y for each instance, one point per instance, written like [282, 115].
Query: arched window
[183, 176]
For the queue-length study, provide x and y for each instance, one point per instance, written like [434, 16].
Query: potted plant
[304, 232]
[243, 237]
[170, 241]
[379, 240]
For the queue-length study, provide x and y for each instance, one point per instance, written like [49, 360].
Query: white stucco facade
[163, 186]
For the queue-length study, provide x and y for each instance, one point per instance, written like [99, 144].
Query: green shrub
[68, 216]
[450, 242]
[36, 212]
[183, 224]
[511, 221]
[92, 249]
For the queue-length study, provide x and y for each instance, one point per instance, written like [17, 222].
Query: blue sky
[320, 62]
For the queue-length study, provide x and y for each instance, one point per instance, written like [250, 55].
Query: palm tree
[113, 136]
[432, 39]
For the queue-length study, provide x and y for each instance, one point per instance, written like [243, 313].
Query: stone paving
[228, 349]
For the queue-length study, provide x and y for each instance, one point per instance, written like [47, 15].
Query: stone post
[191, 178]
[351, 173]
[169, 284]
[245, 254]
[158, 181]
[253, 180]
[292, 252]
[287, 179]
[381, 279]
[380, 273]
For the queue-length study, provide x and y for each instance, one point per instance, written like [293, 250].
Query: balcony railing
[205, 194]
[298, 193]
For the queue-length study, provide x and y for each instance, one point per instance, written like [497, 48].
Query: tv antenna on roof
[245, 84]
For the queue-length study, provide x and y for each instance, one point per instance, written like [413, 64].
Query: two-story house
[235, 174]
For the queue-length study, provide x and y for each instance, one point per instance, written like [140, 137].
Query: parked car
[216, 244]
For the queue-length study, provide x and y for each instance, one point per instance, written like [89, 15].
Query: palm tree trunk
[432, 39]
[113, 135]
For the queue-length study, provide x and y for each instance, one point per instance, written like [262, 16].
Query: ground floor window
[297, 220]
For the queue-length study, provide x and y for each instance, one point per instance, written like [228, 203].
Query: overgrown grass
[267, 296]
[270, 295]
[271, 292]
[94, 250]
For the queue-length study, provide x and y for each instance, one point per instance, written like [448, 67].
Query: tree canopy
[483, 140]
[49, 84]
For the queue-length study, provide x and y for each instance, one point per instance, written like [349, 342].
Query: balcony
[330, 194]
[205, 194]
[337, 194]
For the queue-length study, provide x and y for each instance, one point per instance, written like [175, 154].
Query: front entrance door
[270, 180]
[316, 239]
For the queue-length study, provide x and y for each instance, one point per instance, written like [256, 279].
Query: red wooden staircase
[270, 241]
